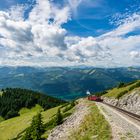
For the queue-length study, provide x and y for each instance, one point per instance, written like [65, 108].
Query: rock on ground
[123, 127]
[129, 102]
[64, 131]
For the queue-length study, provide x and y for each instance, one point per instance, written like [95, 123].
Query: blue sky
[77, 32]
[94, 19]
[91, 17]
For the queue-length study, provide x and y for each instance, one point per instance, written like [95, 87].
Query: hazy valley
[66, 82]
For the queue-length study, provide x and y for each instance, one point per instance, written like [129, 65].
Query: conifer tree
[59, 117]
[36, 129]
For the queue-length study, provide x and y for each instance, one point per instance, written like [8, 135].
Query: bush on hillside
[122, 93]
[121, 85]
[134, 86]
[59, 117]
[69, 106]
[36, 129]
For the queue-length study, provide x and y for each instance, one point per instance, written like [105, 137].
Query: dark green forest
[13, 99]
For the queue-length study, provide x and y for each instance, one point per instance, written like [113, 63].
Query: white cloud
[85, 49]
[111, 49]
[129, 24]
[34, 37]
[41, 40]
[135, 54]
[18, 14]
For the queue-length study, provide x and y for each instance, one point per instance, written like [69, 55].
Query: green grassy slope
[12, 127]
[119, 92]
[93, 127]
[14, 99]
[1, 119]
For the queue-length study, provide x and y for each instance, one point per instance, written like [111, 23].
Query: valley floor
[123, 127]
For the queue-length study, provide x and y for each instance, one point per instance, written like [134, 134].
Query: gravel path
[63, 132]
[123, 127]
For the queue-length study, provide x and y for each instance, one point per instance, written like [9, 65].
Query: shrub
[59, 117]
[121, 85]
[134, 86]
[121, 94]
[68, 107]
[36, 129]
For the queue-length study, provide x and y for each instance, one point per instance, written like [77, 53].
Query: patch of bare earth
[64, 131]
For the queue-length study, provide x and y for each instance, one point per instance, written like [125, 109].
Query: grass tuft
[94, 127]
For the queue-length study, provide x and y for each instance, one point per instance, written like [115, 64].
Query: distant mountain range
[66, 82]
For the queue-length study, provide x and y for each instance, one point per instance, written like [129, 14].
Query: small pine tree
[72, 104]
[121, 85]
[59, 117]
[36, 129]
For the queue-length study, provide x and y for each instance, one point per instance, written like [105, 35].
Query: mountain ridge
[66, 82]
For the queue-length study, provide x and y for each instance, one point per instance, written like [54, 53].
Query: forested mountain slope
[66, 82]
[13, 99]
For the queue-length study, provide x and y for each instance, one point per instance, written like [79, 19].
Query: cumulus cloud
[36, 36]
[85, 48]
[111, 49]
[120, 43]
[41, 40]
[135, 54]
[17, 14]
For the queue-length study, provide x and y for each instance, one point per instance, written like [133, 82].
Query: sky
[100, 33]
